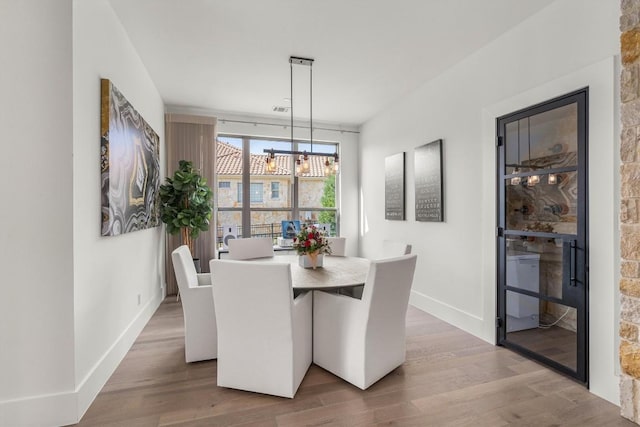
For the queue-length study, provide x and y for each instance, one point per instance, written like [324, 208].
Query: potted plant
[185, 204]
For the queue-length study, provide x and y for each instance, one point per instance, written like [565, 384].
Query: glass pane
[543, 141]
[229, 222]
[270, 188]
[318, 147]
[535, 264]
[263, 224]
[317, 191]
[324, 220]
[554, 137]
[268, 224]
[229, 171]
[316, 188]
[546, 204]
[546, 328]
[513, 154]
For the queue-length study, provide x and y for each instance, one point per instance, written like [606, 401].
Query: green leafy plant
[185, 203]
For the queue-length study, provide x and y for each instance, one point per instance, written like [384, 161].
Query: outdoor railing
[273, 230]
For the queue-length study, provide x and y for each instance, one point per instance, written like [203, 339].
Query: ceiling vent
[280, 109]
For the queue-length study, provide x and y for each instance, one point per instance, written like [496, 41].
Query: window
[282, 196]
[255, 192]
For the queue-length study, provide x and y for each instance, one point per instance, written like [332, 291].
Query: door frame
[581, 97]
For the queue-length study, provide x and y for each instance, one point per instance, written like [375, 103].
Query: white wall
[348, 138]
[70, 297]
[111, 273]
[36, 252]
[560, 49]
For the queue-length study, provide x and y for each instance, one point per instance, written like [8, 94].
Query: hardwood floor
[450, 378]
[555, 343]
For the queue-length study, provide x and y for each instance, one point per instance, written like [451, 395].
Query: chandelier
[302, 157]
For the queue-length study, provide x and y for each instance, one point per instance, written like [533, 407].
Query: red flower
[310, 236]
[307, 243]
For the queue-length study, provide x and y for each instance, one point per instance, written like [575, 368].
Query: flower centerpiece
[310, 243]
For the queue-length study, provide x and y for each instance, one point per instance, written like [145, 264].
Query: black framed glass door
[542, 233]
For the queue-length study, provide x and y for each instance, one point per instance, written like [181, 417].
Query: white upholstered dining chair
[394, 248]
[337, 245]
[362, 340]
[250, 248]
[200, 332]
[390, 249]
[264, 335]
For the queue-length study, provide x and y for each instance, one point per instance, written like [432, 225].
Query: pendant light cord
[291, 98]
[308, 62]
[311, 106]
[529, 140]
[518, 162]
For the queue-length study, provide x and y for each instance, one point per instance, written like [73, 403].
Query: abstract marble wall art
[129, 166]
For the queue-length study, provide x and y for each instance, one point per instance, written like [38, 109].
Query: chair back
[250, 248]
[255, 297]
[337, 245]
[254, 306]
[200, 340]
[186, 274]
[394, 249]
[386, 298]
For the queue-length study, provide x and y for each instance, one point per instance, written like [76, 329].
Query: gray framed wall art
[394, 187]
[428, 182]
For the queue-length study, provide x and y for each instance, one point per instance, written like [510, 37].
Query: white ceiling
[233, 55]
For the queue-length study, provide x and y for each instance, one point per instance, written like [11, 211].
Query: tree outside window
[328, 200]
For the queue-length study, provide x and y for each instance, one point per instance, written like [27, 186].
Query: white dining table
[336, 272]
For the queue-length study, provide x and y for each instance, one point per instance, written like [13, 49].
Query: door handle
[569, 248]
[572, 265]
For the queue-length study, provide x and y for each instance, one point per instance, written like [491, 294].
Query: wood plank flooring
[555, 343]
[450, 378]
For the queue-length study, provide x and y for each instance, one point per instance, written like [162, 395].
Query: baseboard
[91, 385]
[459, 318]
[47, 410]
[68, 408]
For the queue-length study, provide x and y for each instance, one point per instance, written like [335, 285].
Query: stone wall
[629, 209]
[310, 192]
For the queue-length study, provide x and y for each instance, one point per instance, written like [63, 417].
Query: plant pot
[312, 260]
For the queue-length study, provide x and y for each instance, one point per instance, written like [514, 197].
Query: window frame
[294, 209]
